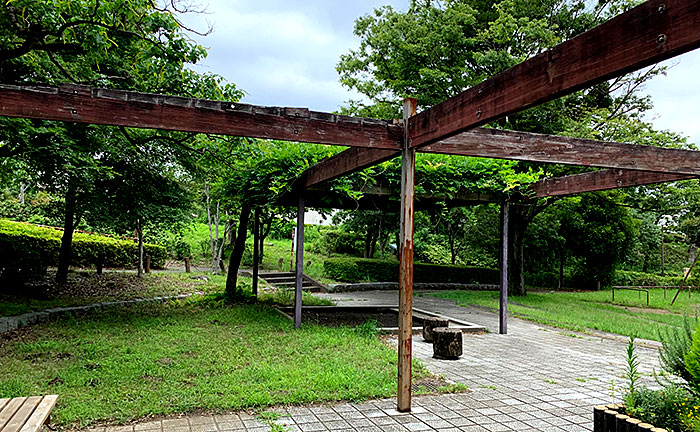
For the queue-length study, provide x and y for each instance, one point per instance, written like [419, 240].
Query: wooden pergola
[651, 32]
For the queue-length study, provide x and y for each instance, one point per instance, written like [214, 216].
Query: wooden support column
[256, 250]
[408, 172]
[503, 310]
[300, 262]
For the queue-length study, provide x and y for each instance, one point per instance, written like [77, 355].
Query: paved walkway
[533, 379]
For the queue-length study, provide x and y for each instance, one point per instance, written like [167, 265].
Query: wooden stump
[447, 343]
[429, 324]
[632, 424]
[187, 265]
[147, 265]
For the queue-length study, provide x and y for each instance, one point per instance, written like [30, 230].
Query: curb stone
[10, 323]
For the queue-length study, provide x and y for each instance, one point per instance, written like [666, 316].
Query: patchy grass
[86, 287]
[581, 311]
[162, 359]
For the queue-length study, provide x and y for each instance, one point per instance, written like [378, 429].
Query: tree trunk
[663, 252]
[451, 242]
[562, 261]
[139, 233]
[520, 218]
[64, 255]
[237, 253]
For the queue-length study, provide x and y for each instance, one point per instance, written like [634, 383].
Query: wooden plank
[10, 409]
[22, 414]
[651, 32]
[532, 147]
[599, 180]
[299, 271]
[408, 173]
[41, 414]
[3, 402]
[140, 110]
[503, 309]
[346, 162]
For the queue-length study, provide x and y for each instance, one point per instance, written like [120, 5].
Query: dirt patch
[649, 310]
[337, 318]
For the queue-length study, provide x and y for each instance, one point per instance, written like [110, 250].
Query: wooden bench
[25, 414]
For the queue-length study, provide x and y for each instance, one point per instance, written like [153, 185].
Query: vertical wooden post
[503, 311]
[300, 262]
[147, 266]
[408, 171]
[256, 250]
[187, 264]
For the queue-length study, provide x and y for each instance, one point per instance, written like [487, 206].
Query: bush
[632, 278]
[26, 250]
[542, 279]
[666, 408]
[373, 270]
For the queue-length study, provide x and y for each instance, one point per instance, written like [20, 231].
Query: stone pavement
[533, 379]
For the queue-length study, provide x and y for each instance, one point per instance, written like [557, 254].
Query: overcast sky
[284, 52]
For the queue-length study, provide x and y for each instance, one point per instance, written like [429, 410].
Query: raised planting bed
[611, 418]
[387, 317]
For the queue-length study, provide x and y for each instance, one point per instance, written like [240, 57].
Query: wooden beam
[503, 309]
[408, 173]
[523, 146]
[83, 104]
[649, 33]
[299, 268]
[532, 147]
[345, 162]
[600, 180]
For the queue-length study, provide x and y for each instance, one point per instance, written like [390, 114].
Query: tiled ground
[533, 379]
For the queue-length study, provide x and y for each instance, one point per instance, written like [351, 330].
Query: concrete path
[533, 379]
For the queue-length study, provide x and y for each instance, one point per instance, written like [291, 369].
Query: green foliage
[692, 362]
[27, 250]
[542, 279]
[667, 408]
[373, 270]
[632, 373]
[632, 278]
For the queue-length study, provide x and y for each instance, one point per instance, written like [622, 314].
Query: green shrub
[633, 278]
[373, 270]
[692, 362]
[26, 250]
[542, 279]
[665, 408]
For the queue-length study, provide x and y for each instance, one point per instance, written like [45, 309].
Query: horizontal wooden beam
[598, 181]
[82, 104]
[651, 32]
[345, 162]
[531, 147]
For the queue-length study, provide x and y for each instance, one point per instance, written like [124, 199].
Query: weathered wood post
[100, 263]
[503, 310]
[256, 250]
[147, 265]
[299, 263]
[187, 264]
[408, 172]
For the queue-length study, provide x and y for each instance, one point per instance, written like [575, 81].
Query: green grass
[155, 360]
[85, 287]
[581, 311]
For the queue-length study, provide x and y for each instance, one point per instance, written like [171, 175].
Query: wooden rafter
[82, 104]
[523, 146]
[600, 180]
[531, 147]
[651, 32]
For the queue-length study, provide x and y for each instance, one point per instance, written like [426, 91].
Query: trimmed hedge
[26, 250]
[632, 278]
[374, 270]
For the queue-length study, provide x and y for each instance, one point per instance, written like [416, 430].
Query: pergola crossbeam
[647, 34]
[82, 104]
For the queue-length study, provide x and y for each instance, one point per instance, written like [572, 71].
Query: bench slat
[41, 413]
[22, 414]
[10, 410]
[3, 402]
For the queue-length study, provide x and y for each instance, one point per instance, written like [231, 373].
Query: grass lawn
[86, 287]
[581, 311]
[160, 359]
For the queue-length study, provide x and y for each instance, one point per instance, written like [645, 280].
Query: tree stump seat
[447, 343]
[429, 324]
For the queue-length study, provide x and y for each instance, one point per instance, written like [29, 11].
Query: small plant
[632, 374]
[370, 329]
[692, 363]
[676, 343]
